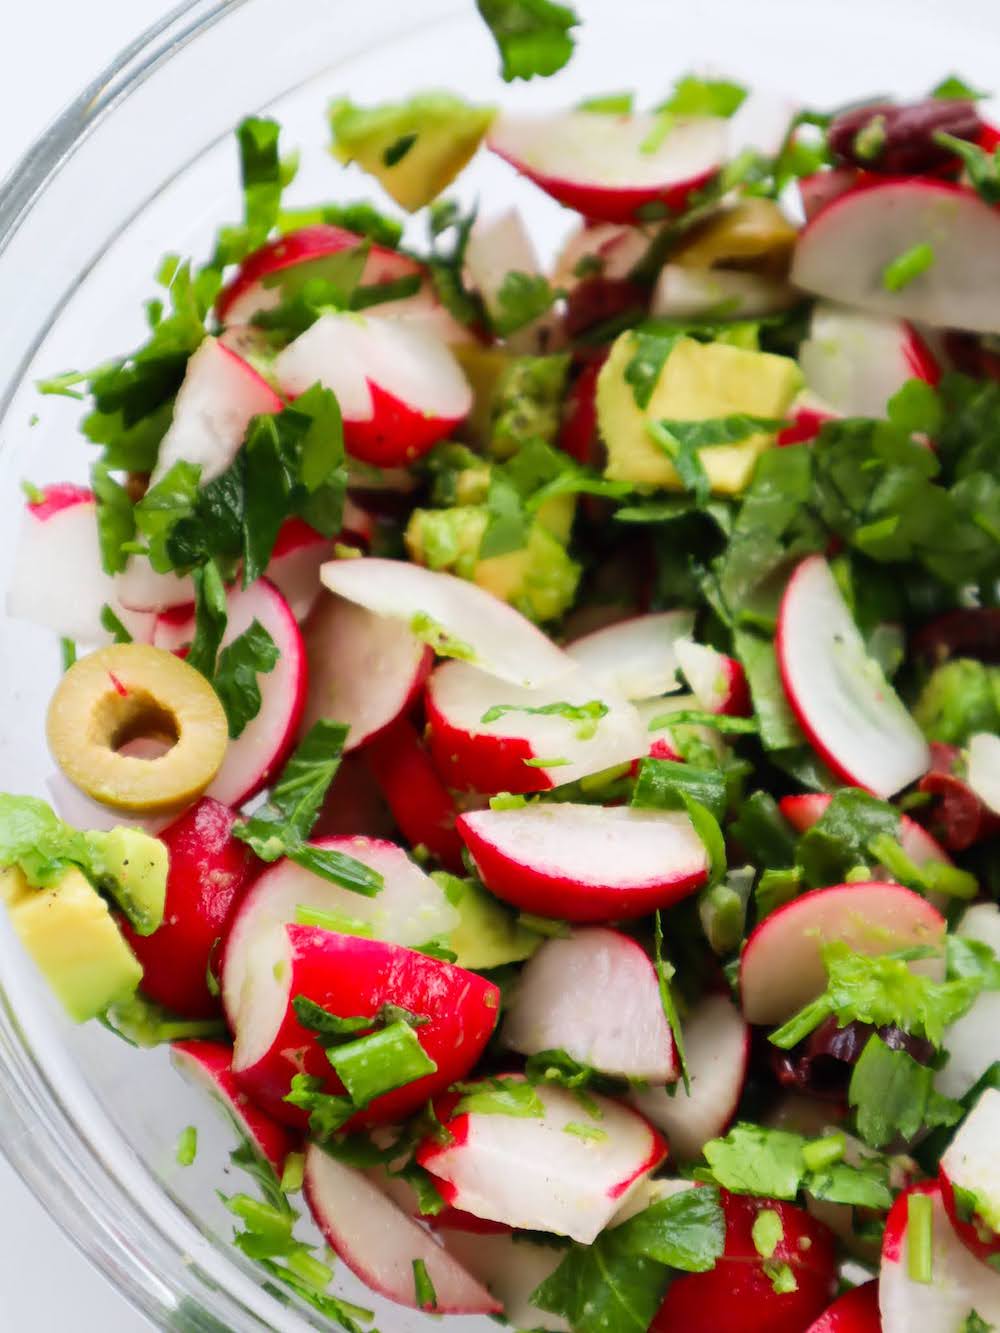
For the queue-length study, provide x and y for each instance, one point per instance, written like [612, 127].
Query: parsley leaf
[686, 1230]
[665, 973]
[891, 1093]
[841, 837]
[235, 680]
[754, 1160]
[693, 96]
[210, 619]
[604, 1287]
[975, 1323]
[588, 715]
[661, 782]
[983, 167]
[652, 347]
[115, 518]
[533, 36]
[953, 87]
[522, 298]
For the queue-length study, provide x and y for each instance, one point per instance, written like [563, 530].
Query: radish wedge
[533, 1173]
[381, 1245]
[586, 862]
[610, 167]
[636, 657]
[364, 670]
[958, 1284]
[970, 1164]
[420, 802]
[718, 681]
[498, 246]
[919, 845]
[781, 968]
[455, 617]
[717, 1045]
[399, 390]
[855, 362]
[854, 1312]
[973, 1041]
[208, 1065]
[512, 752]
[409, 909]
[513, 1268]
[984, 769]
[697, 293]
[661, 742]
[845, 250]
[594, 995]
[849, 711]
[217, 400]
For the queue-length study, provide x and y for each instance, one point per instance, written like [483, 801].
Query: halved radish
[973, 1041]
[803, 811]
[208, 1065]
[805, 417]
[400, 390]
[524, 749]
[718, 681]
[259, 751]
[856, 362]
[845, 250]
[823, 187]
[984, 769]
[596, 996]
[854, 719]
[586, 862]
[781, 968]
[209, 872]
[497, 246]
[717, 1045]
[610, 167]
[353, 977]
[533, 1173]
[364, 670]
[661, 741]
[578, 432]
[142, 589]
[970, 1164]
[636, 657]
[512, 1268]
[854, 1312]
[607, 250]
[958, 1285]
[409, 909]
[420, 802]
[299, 554]
[738, 1295]
[451, 614]
[220, 395]
[702, 293]
[381, 1245]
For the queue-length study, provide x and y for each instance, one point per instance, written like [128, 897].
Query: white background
[48, 53]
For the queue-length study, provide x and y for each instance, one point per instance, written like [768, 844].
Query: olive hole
[139, 727]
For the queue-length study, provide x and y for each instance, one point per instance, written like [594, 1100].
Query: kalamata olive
[821, 1064]
[967, 632]
[959, 818]
[595, 300]
[899, 140]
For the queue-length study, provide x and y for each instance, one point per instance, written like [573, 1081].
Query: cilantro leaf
[533, 36]
[446, 261]
[652, 347]
[261, 172]
[162, 507]
[892, 1094]
[841, 837]
[604, 1287]
[693, 96]
[115, 518]
[953, 87]
[522, 298]
[975, 1323]
[240, 663]
[754, 1160]
[361, 217]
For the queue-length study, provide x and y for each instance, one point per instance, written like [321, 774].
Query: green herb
[293, 1172]
[187, 1146]
[211, 615]
[506, 800]
[652, 347]
[588, 715]
[972, 958]
[870, 140]
[327, 1112]
[693, 96]
[115, 518]
[423, 1287]
[533, 36]
[499, 1096]
[775, 888]
[783, 1279]
[588, 1132]
[955, 88]
[444, 643]
[378, 1063]
[240, 663]
[140, 1022]
[172, 499]
[685, 1230]
[111, 623]
[63, 386]
[842, 836]
[892, 1094]
[662, 784]
[754, 1160]
[907, 266]
[767, 1232]
[610, 104]
[975, 1323]
[730, 726]
[395, 153]
[446, 262]
[67, 649]
[684, 456]
[919, 1238]
[824, 1152]
[604, 1287]
[522, 298]
[361, 217]
[665, 973]
[335, 921]
[930, 877]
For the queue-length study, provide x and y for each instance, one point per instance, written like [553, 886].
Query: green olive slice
[127, 691]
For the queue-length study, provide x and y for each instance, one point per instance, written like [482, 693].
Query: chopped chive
[907, 266]
[263, 1219]
[423, 1286]
[767, 1232]
[821, 1153]
[340, 925]
[293, 1173]
[585, 1131]
[545, 763]
[919, 1238]
[380, 1062]
[68, 650]
[506, 800]
[309, 1268]
[187, 1146]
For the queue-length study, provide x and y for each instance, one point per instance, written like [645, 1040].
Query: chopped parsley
[534, 37]
[522, 298]
[907, 266]
[892, 1094]
[588, 715]
[187, 1146]
[693, 96]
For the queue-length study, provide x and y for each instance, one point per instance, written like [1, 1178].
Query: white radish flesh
[983, 773]
[636, 657]
[512, 1269]
[973, 1041]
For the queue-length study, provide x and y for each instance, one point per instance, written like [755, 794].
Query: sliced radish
[781, 968]
[959, 1282]
[661, 741]
[823, 187]
[970, 1164]
[717, 1045]
[636, 657]
[256, 755]
[984, 769]
[455, 616]
[420, 802]
[497, 246]
[854, 719]
[353, 977]
[738, 1295]
[524, 750]
[578, 432]
[364, 670]
[609, 250]
[208, 1065]
[844, 251]
[400, 390]
[512, 1268]
[142, 589]
[718, 681]
[209, 873]
[533, 1173]
[586, 862]
[856, 361]
[803, 811]
[596, 996]
[354, 804]
[973, 1041]
[610, 167]
[299, 554]
[381, 1245]
[854, 1312]
[409, 909]
[700, 293]
[805, 417]
[220, 395]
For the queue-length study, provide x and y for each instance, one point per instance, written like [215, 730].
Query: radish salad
[528, 734]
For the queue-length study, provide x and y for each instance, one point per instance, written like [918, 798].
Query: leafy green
[683, 453]
[604, 1287]
[665, 973]
[954, 87]
[685, 1230]
[763, 832]
[693, 96]
[778, 727]
[522, 298]
[115, 518]
[240, 663]
[447, 261]
[111, 623]
[499, 1096]
[171, 499]
[588, 715]
[380, 1061]
[959, 698]
[652, 347]
[139, 1022]
[891, 1093]
[423, 1287]
[841, 837]
[210, 619]
[661, 784]
[982, 165]
[907, 266]
[533, 36]
[187, 1146]
[361, 217]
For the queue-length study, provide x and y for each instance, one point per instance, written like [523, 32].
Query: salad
[528, 730]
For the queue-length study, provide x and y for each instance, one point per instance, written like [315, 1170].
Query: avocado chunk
[415, 149]
[527, 402]
[70, 934]
[698, 382]
[488, 935]
[960, 698]
[132, 867]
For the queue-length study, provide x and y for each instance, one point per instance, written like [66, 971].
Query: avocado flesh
[487, 934]
[71, 935]
[698, 382]
[132, 867]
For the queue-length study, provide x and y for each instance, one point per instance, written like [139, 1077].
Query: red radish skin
[350, 976]
[354, 804]
[803, 811]
[854, 1312]
[479, 760]
[578, 433]
[823, 187]
[969, 1163]
[719, 682]
[737, 1295]
[208, 1065]
[781, 967]
[380, 1244]
[420, 803]
[298, 555]
[568, 861]
[209, 873]
[806, 424]
[57, 497]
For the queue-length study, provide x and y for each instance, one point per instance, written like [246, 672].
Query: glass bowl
[142, 163]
